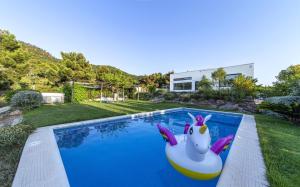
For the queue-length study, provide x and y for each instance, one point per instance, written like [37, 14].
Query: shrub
[185, 97]
[197, 96]
[243, 87]
[287, 105]
[152, 88]
[9, 94]
[145, 96]
[170, 96]
[296, 89]
[286, 100]
[67, 90]
[14, 135]
[159, 92]
[225, 94]
[27, 99]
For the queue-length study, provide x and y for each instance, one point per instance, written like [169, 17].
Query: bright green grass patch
[65, 113]
[280, 143]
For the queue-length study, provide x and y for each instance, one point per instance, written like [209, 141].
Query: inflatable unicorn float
[191, 154]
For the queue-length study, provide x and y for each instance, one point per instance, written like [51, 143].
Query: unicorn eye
[191, 130]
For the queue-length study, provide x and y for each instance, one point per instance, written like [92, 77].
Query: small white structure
[186, 81]
[51, 98]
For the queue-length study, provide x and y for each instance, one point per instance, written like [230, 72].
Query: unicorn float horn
[167, 135]
[221, 144]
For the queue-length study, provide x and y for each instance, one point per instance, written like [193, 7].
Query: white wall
[245, 69]
[51, 98]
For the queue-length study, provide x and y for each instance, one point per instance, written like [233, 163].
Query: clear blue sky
[146, 36]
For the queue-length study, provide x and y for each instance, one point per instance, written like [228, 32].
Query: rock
[229, 106]
[11, 120]
[4, 110]
[220, 102]
[248, 105]
[158, 99]
[15, 113]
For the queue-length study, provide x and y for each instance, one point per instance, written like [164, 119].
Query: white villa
[187, 81]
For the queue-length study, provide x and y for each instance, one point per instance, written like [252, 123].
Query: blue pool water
[131, 152]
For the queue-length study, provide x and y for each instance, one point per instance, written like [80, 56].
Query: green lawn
[280, 143]
[57, 114]
[279, 139]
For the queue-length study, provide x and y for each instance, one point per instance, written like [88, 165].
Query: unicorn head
[198, 138]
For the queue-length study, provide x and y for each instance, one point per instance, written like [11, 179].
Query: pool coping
[42, 165]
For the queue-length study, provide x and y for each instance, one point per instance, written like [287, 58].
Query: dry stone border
[10, 116]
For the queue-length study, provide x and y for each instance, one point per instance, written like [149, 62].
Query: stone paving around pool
[244, 165]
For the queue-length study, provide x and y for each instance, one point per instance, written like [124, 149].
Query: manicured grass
[280, 143]
[64, 113]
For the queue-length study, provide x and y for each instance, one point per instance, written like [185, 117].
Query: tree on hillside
[155, 80]
[12, 58]
[219, 76]
[113, 79]
[8, 41]
[82, 69]
[5, 80]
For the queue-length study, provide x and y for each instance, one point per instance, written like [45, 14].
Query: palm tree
[219, 75]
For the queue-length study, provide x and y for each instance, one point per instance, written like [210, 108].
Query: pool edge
[244, 165]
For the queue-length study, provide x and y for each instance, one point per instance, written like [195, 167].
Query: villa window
[197, 85]
[232, 76]
[182, 79]
[183, 86]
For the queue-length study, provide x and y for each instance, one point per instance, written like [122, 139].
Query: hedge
[287, 105]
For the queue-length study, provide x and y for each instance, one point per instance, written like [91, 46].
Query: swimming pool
[131, 152]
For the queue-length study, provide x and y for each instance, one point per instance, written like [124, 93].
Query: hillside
[37, 53]
[26, 66]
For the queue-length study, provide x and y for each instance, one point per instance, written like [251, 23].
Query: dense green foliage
[287, 80]
[12, 140]
[24, 66]
[155, 80]
[67, 90]
[288, 83]
[14, 135]
[243, 86]
[26, 99]
[80, 93]
[287, 105]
